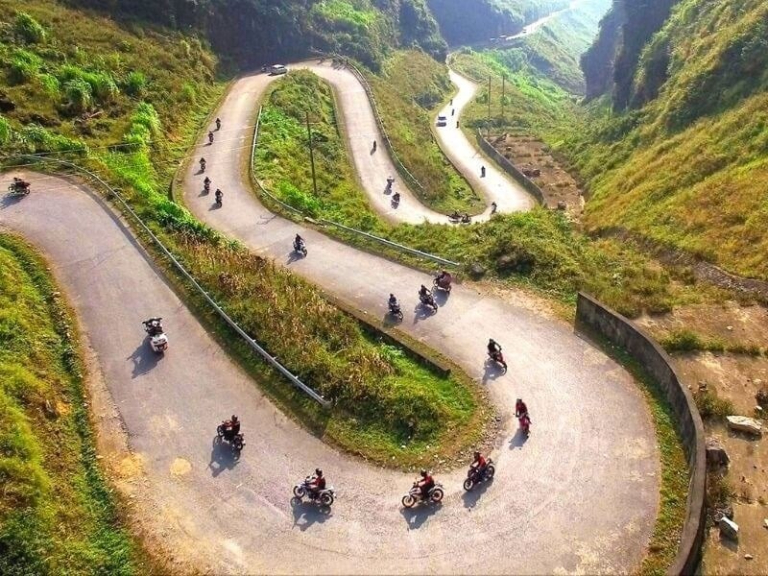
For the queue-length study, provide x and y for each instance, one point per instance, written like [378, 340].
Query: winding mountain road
[580, 495]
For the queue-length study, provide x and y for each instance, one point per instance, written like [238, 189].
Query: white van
[278, 69]
[442, 121]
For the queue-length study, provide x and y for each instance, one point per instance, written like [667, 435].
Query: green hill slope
[689, 168]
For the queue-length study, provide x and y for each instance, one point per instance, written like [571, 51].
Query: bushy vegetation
[57, 515]
[252, 32]
[409, 89]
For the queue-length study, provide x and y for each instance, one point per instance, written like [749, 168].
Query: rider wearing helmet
[423, 292]
[392, 302]
[479, 463]
[520, 408]
[425, 483]
[317, 483]
[493, 347]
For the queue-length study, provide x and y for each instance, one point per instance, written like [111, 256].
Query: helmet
[491, 341]
[423, 473]
[234, 418]
[392, 296]
[477, 453]
[519, 400]
[318, 472]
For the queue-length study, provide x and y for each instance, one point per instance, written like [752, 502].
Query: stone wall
[597, 318]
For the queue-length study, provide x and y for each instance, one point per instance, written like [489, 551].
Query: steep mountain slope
[689, 168]
[256, 31]
[469, 21]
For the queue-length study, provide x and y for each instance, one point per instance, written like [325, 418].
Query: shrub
[682, 341]
[298, 199]
[79, 96]
[37, 139]
[145, 124]
[27, 29]
[188, 93]
[24, 66]
[102, 86]
[710, 405]
[50, 85]
[135, 84]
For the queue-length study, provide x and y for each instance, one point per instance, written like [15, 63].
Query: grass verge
[57, 513]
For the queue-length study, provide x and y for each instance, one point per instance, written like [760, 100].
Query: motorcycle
[324, 497]
[207, 187]
[428, 300]
[202, 165]
[525, 423]
[396, 199]
[19, 187]
[158, 341]
[474, 476]
[498, 357]
[300, 247]
[394, 310]
[434, 495]
[443, 282]
[237, 441]
[219, 198]
[457, 218]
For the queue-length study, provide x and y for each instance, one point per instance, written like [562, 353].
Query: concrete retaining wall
[509, 168]
[598, 318]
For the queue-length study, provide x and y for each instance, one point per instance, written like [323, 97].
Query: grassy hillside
[689, 169]
[57, 514]
[471, 21]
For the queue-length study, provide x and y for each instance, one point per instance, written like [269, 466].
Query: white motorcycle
[158, 340]
[434, 495]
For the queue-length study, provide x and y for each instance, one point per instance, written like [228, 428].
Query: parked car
[278, 69]
[442, 121]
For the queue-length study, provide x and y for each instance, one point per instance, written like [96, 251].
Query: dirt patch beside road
[531, 156]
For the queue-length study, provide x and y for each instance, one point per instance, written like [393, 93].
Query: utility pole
[311, 156]
[489, 102]
[503, 94]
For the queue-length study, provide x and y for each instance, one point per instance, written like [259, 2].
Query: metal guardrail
[251, 342]
[395, 245]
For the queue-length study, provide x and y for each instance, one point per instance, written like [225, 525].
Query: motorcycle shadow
[492, 371]
[420, 513]
[144, 359]
[215, 206]
[390, 320]
[306, 514]
[441, 297]
[295, 256]
[518, 440]
[422, 312]
[10, 199]
[223, 457]
[472, 497]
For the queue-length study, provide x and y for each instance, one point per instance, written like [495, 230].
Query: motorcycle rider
[210, 137]
[393, 304]
[153, 326]
[494, 207]
[390, 182]
[202, 164]
[316, 484]
[218, 123]
[231, 428]
[479, 464]
[425, 484]
[298, 243]
[482, 171]
[207, 184]
[374, 145]
[521, 410]
[219, 195]
[493, 348]
[20, 185]
[443, 278]
[396, 198]
[424, 293]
